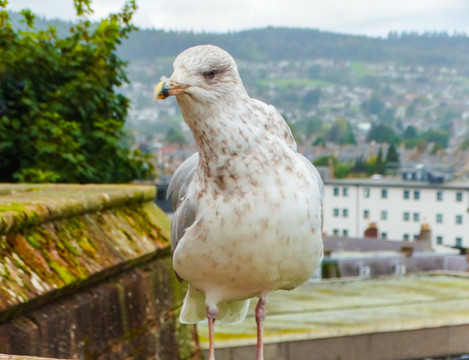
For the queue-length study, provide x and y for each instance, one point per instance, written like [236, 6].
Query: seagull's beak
[167, 88]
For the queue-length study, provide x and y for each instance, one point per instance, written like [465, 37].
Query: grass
[359, 69]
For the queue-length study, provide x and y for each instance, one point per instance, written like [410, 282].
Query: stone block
[20, 337]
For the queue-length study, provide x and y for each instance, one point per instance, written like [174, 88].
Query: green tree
[410, 132]
[340, 132]
[319, 141]
[437, 136]
[61, 117]
[325, 160]
[380, 165]
[382, 133]
[341, 171]
[392, 155]
[374, 105]
[360, 166]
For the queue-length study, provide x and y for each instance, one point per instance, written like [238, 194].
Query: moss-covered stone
[22, 205]
[59, 237]
[91, 266]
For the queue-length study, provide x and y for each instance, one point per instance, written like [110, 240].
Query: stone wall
[85, 272]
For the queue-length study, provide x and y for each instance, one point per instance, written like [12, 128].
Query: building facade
[398, 208]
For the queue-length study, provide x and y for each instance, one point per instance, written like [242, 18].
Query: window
[439, 195]
[439, 240]
[459, 196]
[384, 214]
[335, 212]
[345, 212]
[439, 218]
[384, 193]
[406, 216]
[416, 217]
[345, 191]
[366, 192]
[458, 219]
[416, 194]
[459, 242]
[406, 194]
[384, 235]
[336, 191]
[366, 214]
[345, 232]
[416, 236]
[406, 237]
[336, 231]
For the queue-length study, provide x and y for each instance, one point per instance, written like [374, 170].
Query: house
[398, 208]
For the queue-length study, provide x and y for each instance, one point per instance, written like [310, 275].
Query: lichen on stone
[55, 237]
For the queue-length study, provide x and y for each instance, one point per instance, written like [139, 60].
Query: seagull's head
[203, 74]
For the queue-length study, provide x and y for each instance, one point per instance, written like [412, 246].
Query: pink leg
[211, 316]
[260, 316]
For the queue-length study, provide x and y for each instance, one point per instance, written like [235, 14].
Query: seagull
[248, 207]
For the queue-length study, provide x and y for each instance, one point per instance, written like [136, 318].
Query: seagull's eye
[209, 75]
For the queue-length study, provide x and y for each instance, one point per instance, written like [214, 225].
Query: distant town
[340, 111]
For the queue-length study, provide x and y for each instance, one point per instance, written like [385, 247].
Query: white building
[399, 208]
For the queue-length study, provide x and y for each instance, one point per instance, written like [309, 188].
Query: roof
[343, 308]
[394, 182]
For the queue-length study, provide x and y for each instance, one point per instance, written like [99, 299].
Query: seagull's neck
[219, 135]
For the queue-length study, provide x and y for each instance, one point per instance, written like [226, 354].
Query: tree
[360, 166]
[325, 160]
[61, 117]
[380, 165]
[374, 105]
[382, 133]
[410, 132]
[341, 171]
[437, 136]
[340, 132]
[392, 155]
[319, 141]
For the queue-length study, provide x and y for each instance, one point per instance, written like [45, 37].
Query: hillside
[274, 44]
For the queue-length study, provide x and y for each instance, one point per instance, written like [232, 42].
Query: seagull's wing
[184, 207]
[319, 181]
[181, 179]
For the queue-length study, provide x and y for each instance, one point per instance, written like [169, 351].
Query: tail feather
[194, 309]
[232, 312]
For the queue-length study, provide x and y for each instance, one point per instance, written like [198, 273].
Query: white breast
[263, 235]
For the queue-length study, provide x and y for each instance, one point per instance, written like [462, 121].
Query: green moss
[4, 271]
[33, 238]
[17, 216]
[64, 236]
[134, 215]
[127, 235]
[74, 235]
[63, 272]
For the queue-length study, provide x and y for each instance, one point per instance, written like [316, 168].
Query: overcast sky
[364, 17]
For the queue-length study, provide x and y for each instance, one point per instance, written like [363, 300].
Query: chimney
[372, 230]
[426, 235]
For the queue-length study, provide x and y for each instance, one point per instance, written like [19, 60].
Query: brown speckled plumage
[248, 207]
